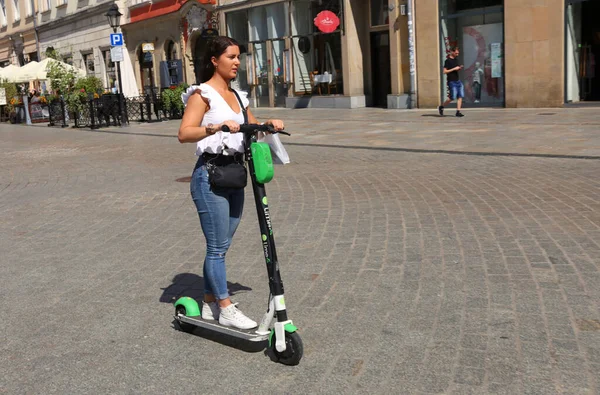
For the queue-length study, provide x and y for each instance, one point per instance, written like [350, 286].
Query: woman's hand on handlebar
[276, 124]
[229, 126]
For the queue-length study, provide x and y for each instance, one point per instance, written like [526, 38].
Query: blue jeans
[457, 90]
[220, 211]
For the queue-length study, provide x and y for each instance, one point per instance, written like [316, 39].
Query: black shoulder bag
[228, 171]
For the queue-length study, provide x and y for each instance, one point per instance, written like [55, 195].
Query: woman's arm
[189, 131]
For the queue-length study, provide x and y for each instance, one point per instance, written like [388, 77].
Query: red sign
[327, 21]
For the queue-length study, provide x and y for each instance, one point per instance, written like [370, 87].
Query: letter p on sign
[116, 39]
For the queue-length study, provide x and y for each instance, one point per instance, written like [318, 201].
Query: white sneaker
[210, 311]
[233, 317]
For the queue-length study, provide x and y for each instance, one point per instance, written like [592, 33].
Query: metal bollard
[92, 118]
[148, 108]
[64, 115]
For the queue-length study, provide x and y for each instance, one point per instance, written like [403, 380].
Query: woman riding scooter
[209, 107]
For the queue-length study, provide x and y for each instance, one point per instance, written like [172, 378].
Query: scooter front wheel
[293, 350]
[183, 326]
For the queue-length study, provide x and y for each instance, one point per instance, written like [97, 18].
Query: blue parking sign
[116, 39]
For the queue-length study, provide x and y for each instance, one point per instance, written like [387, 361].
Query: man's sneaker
[441, 110]
[459, 114]
[210, 311]
[233, 317]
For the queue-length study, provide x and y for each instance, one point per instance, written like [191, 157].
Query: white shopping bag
[280, 155]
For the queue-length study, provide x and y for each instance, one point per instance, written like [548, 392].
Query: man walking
[455, 87]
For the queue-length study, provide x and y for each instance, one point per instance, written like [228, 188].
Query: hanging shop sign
[206, 33]
[327, 21]
[147, 47]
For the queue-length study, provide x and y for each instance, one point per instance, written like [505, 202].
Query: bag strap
[241, 106]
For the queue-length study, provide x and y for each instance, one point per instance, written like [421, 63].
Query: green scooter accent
[289, 328]
[191, 306]
[263, 162]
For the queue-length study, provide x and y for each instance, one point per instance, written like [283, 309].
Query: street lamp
[114, 17]
[114, 20]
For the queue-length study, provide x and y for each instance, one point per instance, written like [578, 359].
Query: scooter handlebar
[250, 129]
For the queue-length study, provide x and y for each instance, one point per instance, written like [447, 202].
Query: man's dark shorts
[456, 89]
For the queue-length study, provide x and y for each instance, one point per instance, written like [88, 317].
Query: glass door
[261, 71]
[380, 68]
[278, 67]
[582, 48]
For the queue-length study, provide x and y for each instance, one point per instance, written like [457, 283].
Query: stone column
[534, 53]
[354, 45]
[428, 53]
[399, 66]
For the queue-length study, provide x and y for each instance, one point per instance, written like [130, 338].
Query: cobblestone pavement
[419, 255]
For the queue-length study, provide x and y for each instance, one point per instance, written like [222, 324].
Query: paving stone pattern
[408, 272]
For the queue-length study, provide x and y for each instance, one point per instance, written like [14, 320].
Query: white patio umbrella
[44, 67]
[130, 88]
[27, 73]
[9, 73]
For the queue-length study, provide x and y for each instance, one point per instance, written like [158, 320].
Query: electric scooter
[275, 326]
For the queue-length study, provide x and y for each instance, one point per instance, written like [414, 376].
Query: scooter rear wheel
[293, 350]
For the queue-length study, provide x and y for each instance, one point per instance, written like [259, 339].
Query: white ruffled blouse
[220, 111]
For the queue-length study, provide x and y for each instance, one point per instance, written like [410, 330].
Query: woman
[209, 107]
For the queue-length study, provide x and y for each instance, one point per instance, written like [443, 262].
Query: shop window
[237, 28]
[146, 61]
[479, 35]
[171, 70]
[111, 74]
[379, 13]
[317, 56]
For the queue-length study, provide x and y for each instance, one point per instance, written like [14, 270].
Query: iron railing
[105, 111]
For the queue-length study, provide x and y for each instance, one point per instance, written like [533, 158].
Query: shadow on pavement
[192, 285]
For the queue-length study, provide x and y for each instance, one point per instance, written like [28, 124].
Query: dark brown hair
[215, 47]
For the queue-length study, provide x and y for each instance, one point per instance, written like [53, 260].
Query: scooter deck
[246, 334]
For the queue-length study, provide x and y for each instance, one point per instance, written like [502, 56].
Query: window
[2, 13]
[317, 56]
[33, 57]
[276, 22]
[28, 10]
[88, 63]
[45, 5]
[61, 2]
[68, 59]
[379, 13]
[111, 75]
[16, 13]
[171, 51]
